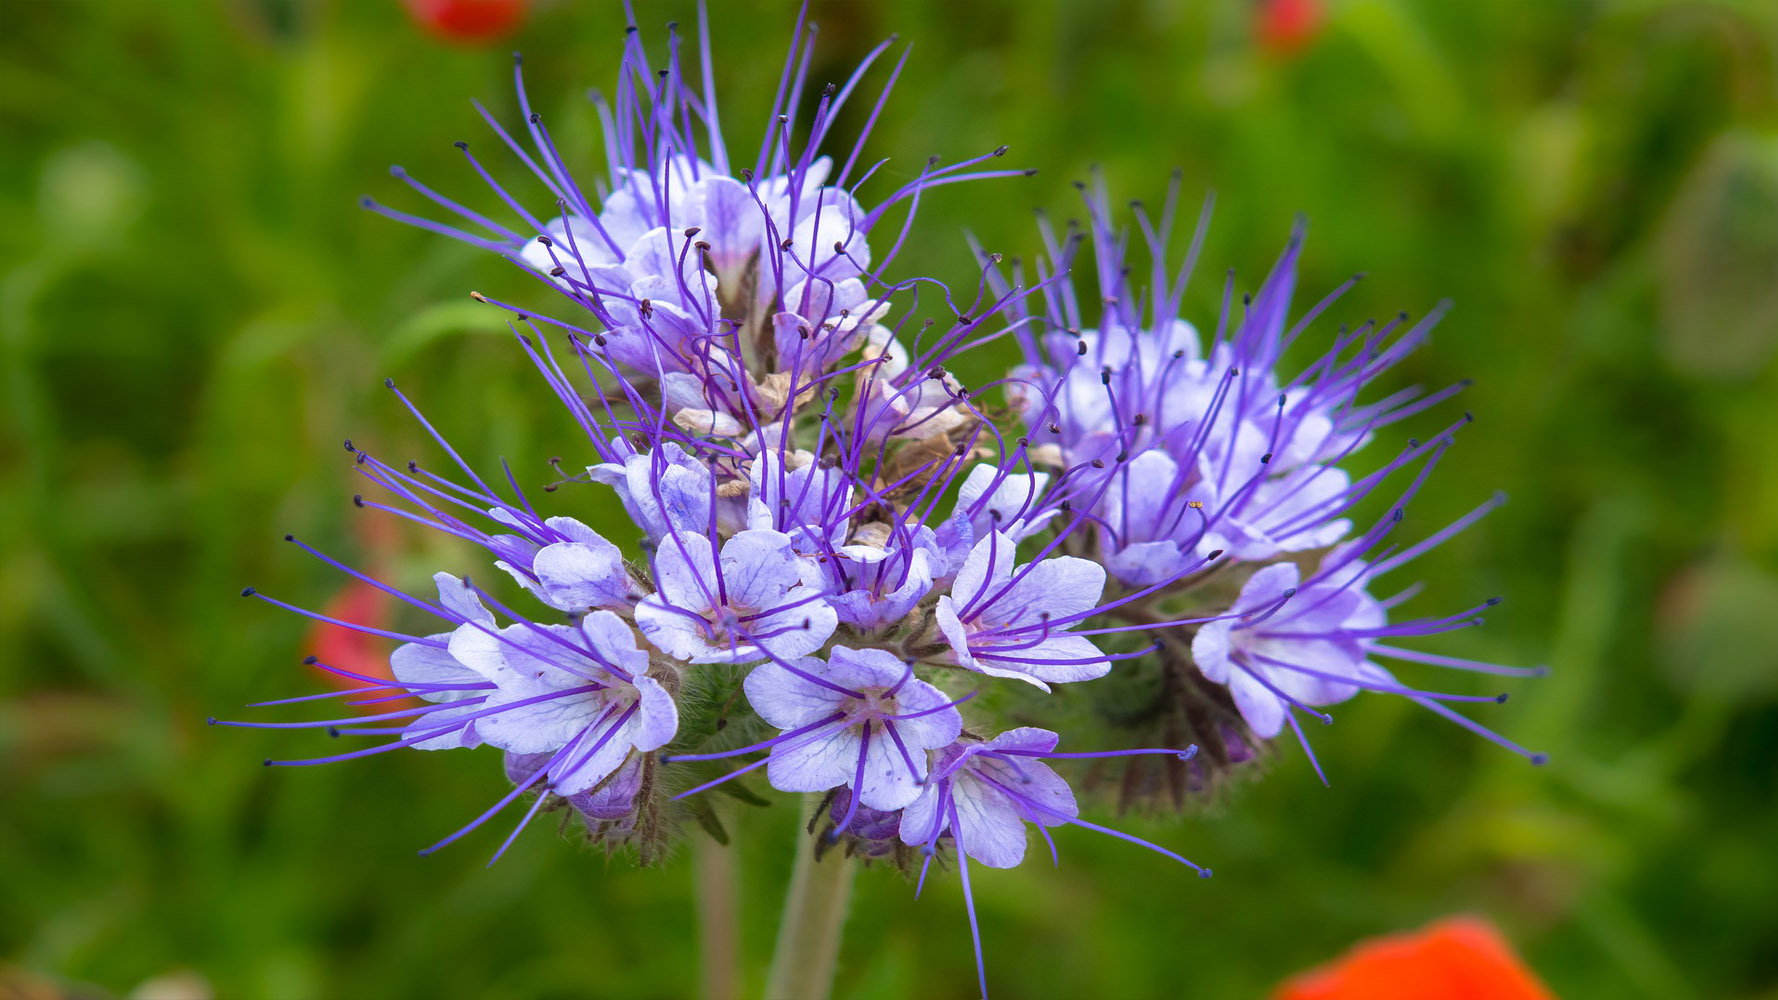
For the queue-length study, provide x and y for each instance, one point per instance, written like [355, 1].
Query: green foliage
[193, 314]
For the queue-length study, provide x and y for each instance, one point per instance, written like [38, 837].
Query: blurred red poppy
[1462, 958]
[1286, 27]
[348, 650]
[468, 20]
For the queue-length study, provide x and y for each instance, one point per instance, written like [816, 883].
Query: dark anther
[556, 272]
[1139, 419]
[1265, 459]
[546, 241]
[358, 499]
[349, 444]
[333, 731]
[1080, 349]
[309, 661]
[1097, 464]
[460, 144]
[248, 592]
[746, 174]
[1214, 555]
[388, 383]
[289, 537]
[1247, 298]
[367, 202]
[787, 244]
[693, 231]
[827, 91]
[536, 119]
[1001, 151]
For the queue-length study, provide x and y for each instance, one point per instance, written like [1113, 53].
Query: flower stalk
[718, 947]
[814, 918]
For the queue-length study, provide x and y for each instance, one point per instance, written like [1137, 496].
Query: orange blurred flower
[468, 20]
[1462, 958]
[1286, 27]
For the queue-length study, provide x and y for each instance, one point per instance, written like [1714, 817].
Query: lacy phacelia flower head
[837, 546]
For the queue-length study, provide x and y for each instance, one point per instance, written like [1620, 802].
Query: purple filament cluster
[840, 531]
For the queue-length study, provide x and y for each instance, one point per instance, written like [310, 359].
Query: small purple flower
[428, 669]
[581, 695]
[1273, 661]
[872, 833]
[876, 588]
[585, 572]
[861, 720]
[994, 498]
[1007, 622]
[743, 607]
[612, 799]
[811, 504]
[663, 490]
[983, 794]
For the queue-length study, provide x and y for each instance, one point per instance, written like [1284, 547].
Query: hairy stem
[814, 917]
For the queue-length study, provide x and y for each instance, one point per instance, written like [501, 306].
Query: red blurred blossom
[362, 604]
[1462, 958]
[348, 650]
[470, 21]
[1286, 27]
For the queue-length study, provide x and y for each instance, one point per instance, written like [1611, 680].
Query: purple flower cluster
[839, 548]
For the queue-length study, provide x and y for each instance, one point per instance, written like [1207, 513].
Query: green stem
[814, 917]
[717, 921]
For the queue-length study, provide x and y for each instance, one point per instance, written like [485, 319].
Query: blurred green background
[194, 313]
